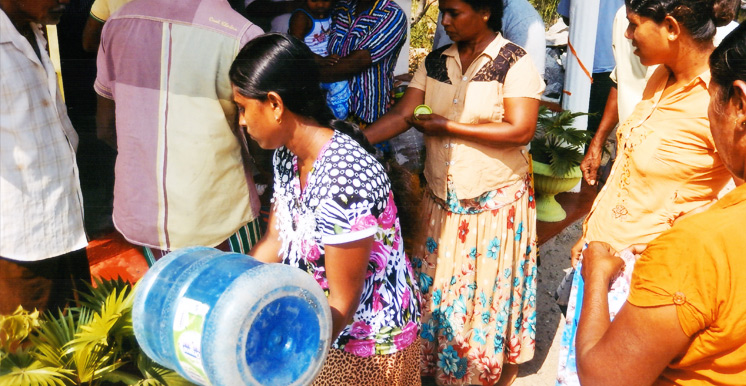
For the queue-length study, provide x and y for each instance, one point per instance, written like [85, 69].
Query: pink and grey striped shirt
[180, 178]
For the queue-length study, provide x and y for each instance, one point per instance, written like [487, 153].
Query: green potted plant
[556, 150]
[91, 344]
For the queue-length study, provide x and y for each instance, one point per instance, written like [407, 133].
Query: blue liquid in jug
[282, 340]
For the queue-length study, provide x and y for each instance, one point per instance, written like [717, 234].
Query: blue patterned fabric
[381, 30]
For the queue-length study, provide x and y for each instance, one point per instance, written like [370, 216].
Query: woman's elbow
[525, 138]
[524, 135]
[348, 310]
[593, 372]
[586, 373]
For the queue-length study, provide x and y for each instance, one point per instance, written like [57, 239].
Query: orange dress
[666, 165]
[699, 266]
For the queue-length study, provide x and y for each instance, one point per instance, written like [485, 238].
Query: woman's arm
[394, 122]
[346, 66]
[592, 160]
[346, 265]
[92, 34]
[633, 349]
[106, 121]
[267, 249]
[516, 129]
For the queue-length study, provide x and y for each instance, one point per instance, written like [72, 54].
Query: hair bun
[724, 11]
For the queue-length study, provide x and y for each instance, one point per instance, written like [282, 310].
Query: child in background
[311, 24]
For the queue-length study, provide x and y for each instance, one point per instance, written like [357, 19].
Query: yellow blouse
[666, 165]
[102, 9]
[503, 70]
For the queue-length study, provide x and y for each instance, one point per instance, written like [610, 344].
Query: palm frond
[540, 151]
[22, 368]
[101, 371]
[121, 377]
[114, 318]
[93, 363]
[52, 336]
[150, 382]
[96, 348]
[570, 137]
[563, 160]
[173, 378]
[87, 344]
[96, 295]
[149, 368]
[157, 375]
[556, 142]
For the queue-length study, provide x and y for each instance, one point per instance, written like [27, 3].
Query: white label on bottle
[189, 322]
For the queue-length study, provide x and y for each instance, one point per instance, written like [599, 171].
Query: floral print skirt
[477, 273]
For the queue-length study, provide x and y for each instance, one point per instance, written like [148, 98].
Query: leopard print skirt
[344, 369]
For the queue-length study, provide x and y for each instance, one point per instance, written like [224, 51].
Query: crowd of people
[188, 92]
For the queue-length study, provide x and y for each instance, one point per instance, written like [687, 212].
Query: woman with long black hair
[333, 214]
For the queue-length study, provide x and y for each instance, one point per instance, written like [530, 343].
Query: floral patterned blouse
[347, 198]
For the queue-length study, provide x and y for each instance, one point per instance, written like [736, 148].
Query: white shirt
[41, 205]
[723, 31]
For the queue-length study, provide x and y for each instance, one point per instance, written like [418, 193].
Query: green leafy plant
[557, 143]
[91, 344]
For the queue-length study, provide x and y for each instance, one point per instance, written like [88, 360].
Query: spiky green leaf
[172, 378]
[159, 375]
[150, 382]
[96, 295]
[51, 337]
[95, 348]
[557, 142]
[22, 368]
[121, 377]
[563, 160]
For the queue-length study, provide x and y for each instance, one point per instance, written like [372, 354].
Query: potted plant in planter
[91, 344]
[556, 150]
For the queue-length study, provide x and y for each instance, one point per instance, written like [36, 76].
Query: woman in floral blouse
[333, 214]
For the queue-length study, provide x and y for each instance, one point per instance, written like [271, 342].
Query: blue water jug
[226, 319]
